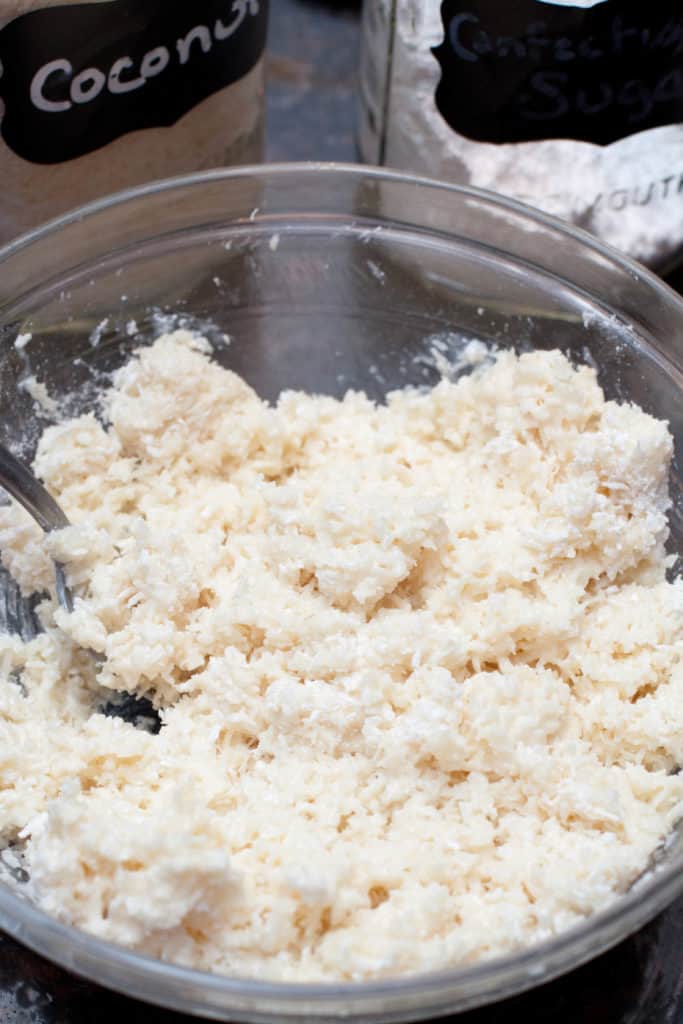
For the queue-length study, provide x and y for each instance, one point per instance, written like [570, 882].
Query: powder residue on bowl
[417, 666]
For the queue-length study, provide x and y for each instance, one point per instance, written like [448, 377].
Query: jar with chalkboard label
[573, 106]
[100, 95]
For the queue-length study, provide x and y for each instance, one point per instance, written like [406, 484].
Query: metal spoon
[20, 482]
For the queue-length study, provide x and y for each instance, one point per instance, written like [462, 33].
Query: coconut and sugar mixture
[417, 666]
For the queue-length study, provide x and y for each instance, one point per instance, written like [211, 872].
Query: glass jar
[573, 106]
[107, 94]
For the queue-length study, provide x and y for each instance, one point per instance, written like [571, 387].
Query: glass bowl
[327, 278]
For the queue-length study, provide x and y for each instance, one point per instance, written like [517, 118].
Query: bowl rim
[314, 168]
[468, 986]
[657, 892]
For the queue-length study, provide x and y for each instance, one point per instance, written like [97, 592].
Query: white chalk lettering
[199, 32]
[114, 83]
[123, 76]
[154, 62]
[40, 79]
[87, 85]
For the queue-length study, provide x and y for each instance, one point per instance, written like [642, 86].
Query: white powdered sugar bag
[573, 106]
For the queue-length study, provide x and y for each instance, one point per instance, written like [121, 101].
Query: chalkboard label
[74, 78]
[530, 70]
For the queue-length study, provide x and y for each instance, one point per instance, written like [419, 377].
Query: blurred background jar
[101, 95]
[573, 106]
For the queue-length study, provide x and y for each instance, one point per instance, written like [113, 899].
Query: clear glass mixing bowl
[326, 278]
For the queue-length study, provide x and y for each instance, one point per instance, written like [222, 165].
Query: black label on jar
[531, 69]
[74, 78]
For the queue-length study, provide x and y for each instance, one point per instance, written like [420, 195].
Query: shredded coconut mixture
[417, 667]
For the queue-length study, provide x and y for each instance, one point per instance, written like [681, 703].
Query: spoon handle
[20, 482]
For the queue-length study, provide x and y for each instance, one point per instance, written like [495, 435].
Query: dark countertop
[312, 58]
